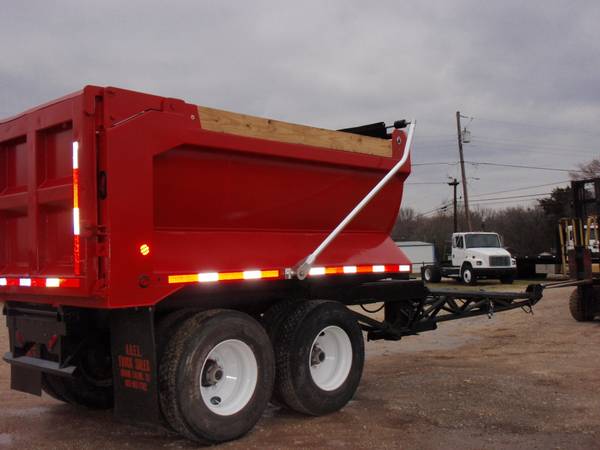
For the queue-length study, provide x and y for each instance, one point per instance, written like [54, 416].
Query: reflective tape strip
[375, 268]
[27, 282]
[211, 277]
[76, 218]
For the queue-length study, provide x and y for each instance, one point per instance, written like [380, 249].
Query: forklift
[577, 236]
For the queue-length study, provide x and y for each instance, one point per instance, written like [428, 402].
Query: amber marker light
[145, 249]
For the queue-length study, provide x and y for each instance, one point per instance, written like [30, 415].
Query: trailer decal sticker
[134, 370]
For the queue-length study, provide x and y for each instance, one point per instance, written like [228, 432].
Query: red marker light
[145, 249]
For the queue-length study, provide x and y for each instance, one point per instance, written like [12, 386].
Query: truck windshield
[482, 240]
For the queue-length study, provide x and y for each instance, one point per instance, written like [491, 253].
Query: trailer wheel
[580, 306]
[319, 356]
[166, 326]
[216, 376]
[92, 385]
[432, 274]
[467, 276]
[274, 317]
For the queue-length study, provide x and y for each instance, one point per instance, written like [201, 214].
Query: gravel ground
[514, 382]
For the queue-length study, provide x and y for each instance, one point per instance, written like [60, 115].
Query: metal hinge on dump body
[302, 269]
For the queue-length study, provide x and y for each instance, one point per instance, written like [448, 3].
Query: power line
[518, 166]
[439, 208]
[487, 145]
[515, 196]
[505, 201]
[524, 188]
[520, 142]
[534, 125]
[487, 163]
[427, 182]
[435, 164]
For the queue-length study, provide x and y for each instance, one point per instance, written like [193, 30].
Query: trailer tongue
[185, 265]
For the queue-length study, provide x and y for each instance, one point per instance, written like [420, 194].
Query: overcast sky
[528, 72]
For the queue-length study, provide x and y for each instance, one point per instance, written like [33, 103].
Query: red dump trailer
[184, 265]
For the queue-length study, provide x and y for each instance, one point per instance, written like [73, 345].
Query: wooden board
[274, 130]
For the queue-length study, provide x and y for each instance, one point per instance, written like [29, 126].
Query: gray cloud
[339, 63]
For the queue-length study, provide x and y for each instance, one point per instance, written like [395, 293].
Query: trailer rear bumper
[42, 365]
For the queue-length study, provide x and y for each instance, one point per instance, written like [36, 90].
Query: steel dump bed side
[112, 198]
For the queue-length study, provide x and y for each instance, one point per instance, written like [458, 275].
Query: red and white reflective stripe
[211, 277]
[375, 268]
[39, 282]
[76, 220]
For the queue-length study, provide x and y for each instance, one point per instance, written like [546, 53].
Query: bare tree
[590, 169]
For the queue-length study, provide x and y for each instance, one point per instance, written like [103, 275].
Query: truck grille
[499, 260]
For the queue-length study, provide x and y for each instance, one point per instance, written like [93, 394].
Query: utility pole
[454, 183]
[462, 171]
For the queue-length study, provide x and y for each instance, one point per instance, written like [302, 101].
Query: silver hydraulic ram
[302, 269]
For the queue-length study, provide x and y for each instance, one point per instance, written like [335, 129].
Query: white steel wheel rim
[427, 274]
[330, 358]
[467, 276]
[228, 377]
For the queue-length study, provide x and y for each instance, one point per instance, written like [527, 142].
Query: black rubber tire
[472, 279]
[508, 279]
[166, 326]
[432, 274]
[273, 320]
[179, 375]
[91, 387]
[293, 383]
[274, 317]
[580, 307]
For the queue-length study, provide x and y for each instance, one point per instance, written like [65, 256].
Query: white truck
[474, 255]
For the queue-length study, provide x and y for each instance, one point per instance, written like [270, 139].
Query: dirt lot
[516, 381]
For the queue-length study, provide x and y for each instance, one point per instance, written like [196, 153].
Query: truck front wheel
[320, 355]
[216, 376]
[467, 275]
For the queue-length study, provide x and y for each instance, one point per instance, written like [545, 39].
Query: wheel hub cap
[330, 358]
[228, 377]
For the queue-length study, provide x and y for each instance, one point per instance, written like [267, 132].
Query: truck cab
[474, 255]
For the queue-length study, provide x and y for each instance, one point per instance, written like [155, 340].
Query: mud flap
[26, 380]
[134, 366]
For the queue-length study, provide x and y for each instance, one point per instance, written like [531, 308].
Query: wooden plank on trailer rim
[274, 130]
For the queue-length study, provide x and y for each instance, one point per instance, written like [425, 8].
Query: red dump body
[112, 198]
